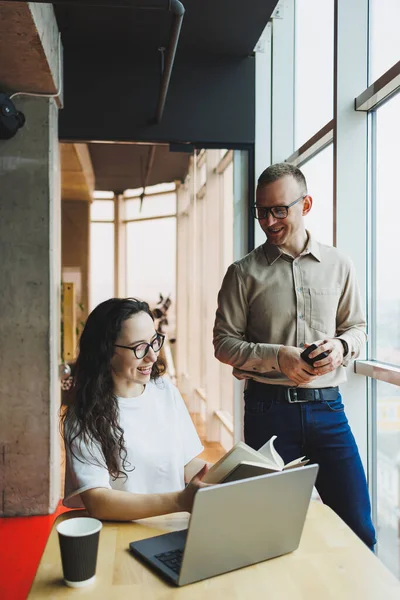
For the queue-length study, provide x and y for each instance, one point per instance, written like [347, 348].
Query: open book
[242, 462]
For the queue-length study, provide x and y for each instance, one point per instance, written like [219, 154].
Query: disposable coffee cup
[79, 542]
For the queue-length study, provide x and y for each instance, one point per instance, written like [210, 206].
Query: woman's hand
[186, 496]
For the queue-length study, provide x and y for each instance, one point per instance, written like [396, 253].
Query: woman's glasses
[140, 350]
[278, 212]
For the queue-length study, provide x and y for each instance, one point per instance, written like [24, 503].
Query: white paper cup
[79, 542]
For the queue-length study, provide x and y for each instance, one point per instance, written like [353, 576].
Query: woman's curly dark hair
[92, 414]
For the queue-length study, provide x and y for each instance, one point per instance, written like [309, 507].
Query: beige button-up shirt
[269, 299]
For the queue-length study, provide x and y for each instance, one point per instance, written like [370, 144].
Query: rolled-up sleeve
[229, 336]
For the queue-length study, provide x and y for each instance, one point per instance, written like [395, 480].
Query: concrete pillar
[29, 313]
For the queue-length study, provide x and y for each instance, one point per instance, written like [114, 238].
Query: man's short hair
[279, 170]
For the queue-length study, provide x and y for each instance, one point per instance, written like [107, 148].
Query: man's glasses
[140, 350]
[278, 212]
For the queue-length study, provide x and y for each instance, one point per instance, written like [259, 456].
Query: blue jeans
[320, 431]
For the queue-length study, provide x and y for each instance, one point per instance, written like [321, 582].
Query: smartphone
[305, 355]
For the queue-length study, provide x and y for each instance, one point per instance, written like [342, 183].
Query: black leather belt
[296, 394]
[310, 395]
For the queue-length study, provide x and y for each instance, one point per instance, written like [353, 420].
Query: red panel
[22, 542]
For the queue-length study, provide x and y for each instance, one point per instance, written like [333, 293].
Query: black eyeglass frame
[271, 209]
[160, 336]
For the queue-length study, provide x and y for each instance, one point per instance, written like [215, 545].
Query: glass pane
[153, 206]
[384, 37]
[388, 475]
[101, 262]
[151, 262]
[319, 175]
[387, 232]
[102, 210]
[102, 195]
[313, 67]
[161, 187]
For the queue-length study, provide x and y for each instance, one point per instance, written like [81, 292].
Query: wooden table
[330, 564]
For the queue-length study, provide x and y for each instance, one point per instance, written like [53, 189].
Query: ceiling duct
[173, 6]
[178, 11]
[135, 4]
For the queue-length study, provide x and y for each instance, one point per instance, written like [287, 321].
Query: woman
[130, 442]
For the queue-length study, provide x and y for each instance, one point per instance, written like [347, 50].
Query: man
[285, 295]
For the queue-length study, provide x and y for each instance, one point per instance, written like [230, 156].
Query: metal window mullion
[263, 124]
[373, 450]
[350, 133]
[283, 83]
[372, 280]
[351, 175]
[372, 320]
[125, 251]
[116, 243]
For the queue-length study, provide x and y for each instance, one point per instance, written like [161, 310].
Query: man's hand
[186, 496]
[335, 350]
[294, 367]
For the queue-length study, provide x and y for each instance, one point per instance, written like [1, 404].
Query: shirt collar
[273, 252]
[312, 247]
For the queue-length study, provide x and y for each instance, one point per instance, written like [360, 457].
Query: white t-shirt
[160, 439]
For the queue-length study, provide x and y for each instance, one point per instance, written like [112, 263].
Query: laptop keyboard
[171, 559]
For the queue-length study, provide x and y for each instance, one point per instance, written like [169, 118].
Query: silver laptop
[234, 525]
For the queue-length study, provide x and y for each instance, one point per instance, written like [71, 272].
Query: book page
[270, 453]
[297, 462]
[239, 453]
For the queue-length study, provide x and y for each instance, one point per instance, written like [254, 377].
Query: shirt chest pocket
[323, 304]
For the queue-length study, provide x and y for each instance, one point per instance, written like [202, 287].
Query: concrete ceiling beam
[30, 48]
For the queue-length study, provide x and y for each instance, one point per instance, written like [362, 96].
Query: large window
[386, 339]
[387, 219]
[152, 206]
[313, 67]
[354, 185]
[150, 246]
[151, 261]
[388, 475]
[318, 172]
[385, 38]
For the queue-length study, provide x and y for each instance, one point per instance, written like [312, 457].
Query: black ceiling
[114, 50]
[228, 27]
[123, 166]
